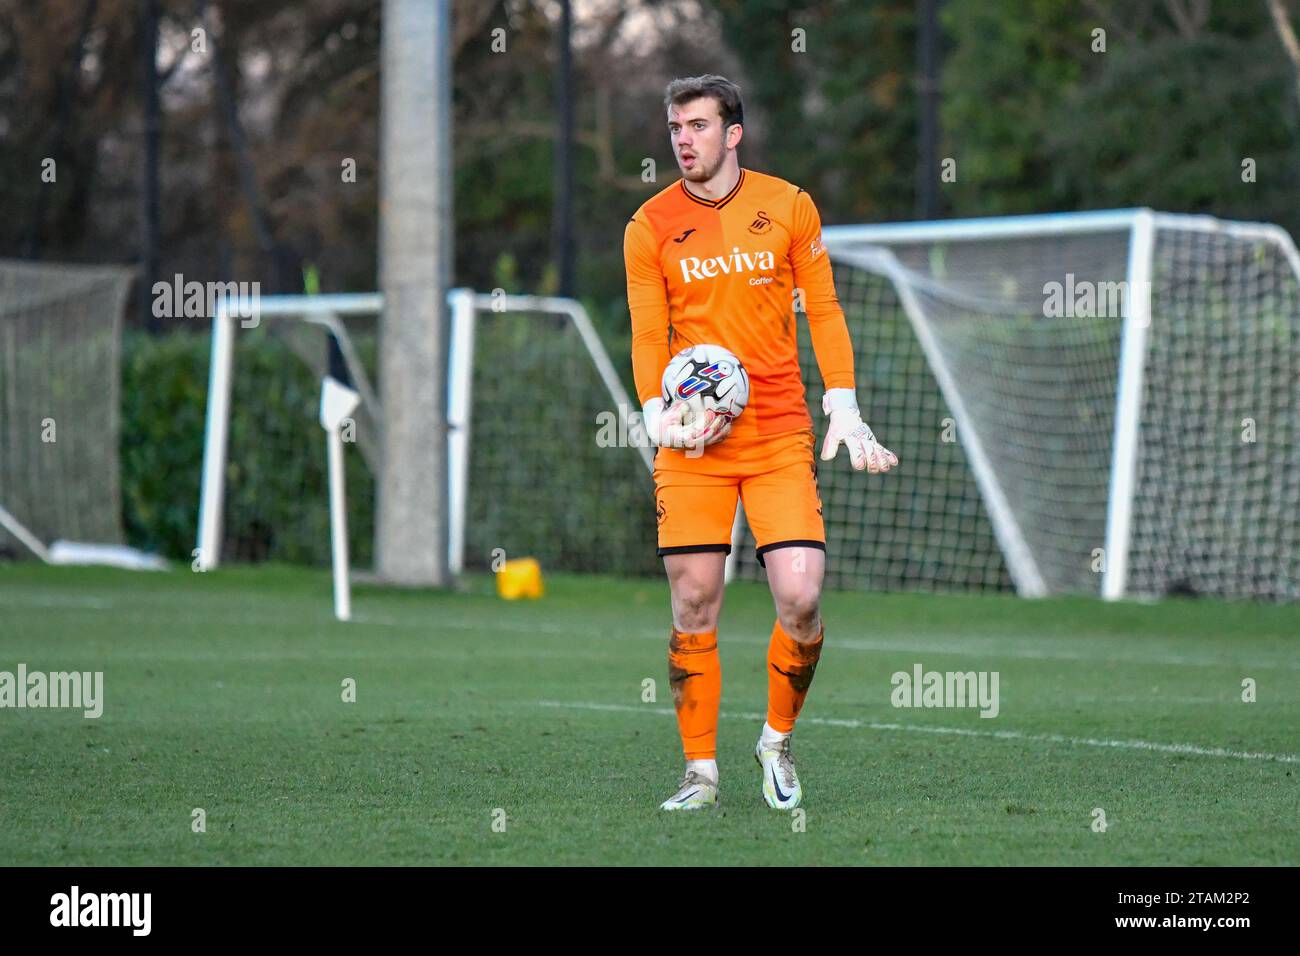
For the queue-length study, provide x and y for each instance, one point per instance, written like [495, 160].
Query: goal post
[515, 478]
[327, 313]
[1094, 403]
[1128, 404]
[1105, 373]
[1020, 559]
[466, 305]
[60, 413]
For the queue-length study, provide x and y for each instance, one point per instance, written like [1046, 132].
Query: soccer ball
[706, 377]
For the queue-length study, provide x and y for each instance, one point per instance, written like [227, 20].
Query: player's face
[699, 141]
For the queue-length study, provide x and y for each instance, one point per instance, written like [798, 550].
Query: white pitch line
[963, 732]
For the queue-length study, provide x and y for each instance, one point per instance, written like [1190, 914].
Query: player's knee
[695, 606]
[799, 613]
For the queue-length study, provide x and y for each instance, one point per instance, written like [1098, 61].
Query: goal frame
[853, 245]
[326, 311]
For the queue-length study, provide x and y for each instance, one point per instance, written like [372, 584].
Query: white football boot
[781, 787]
[697, 792]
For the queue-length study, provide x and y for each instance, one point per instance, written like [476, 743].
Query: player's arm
[647, 302]
[830, 340]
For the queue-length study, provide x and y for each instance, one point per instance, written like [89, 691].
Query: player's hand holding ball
[684, 424]
[848, 427]
[704, 388]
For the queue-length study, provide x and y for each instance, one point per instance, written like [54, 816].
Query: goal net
[554, 470]
[60, 354]
[542, 462]
[1096, 403]
[265, 485]
[1093, 403]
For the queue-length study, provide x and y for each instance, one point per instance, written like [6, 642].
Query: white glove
[665, 428]
[848, 427]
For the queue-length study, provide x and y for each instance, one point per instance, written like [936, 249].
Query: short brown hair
[727, 94]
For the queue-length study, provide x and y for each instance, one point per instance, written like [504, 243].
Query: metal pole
[149, 216]
[927, 54]
[563, 214]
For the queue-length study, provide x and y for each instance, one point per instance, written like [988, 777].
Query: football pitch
[493, 732]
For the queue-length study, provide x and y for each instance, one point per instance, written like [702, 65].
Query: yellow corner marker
[520, 578]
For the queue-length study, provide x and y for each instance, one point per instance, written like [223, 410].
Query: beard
[702, 172]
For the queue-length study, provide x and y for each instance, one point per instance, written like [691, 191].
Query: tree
[1286, 35]
[831, 90]
[1040, 118]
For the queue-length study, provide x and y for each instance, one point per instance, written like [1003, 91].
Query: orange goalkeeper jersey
[726, 272]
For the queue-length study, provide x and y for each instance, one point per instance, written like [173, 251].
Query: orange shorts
[775, 478]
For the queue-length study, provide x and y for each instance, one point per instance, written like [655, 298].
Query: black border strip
[795, 543]
[1024, 897]
[695, 549]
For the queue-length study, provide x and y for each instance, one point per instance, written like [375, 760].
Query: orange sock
[790, 669]
[695, 675]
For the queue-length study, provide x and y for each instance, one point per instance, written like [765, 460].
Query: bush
[276, 505]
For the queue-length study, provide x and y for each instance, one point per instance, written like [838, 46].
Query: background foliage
[1036, 118]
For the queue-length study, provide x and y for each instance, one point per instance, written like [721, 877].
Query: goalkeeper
[726, 256]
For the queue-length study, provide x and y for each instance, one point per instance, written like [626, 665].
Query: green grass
[223, 692]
